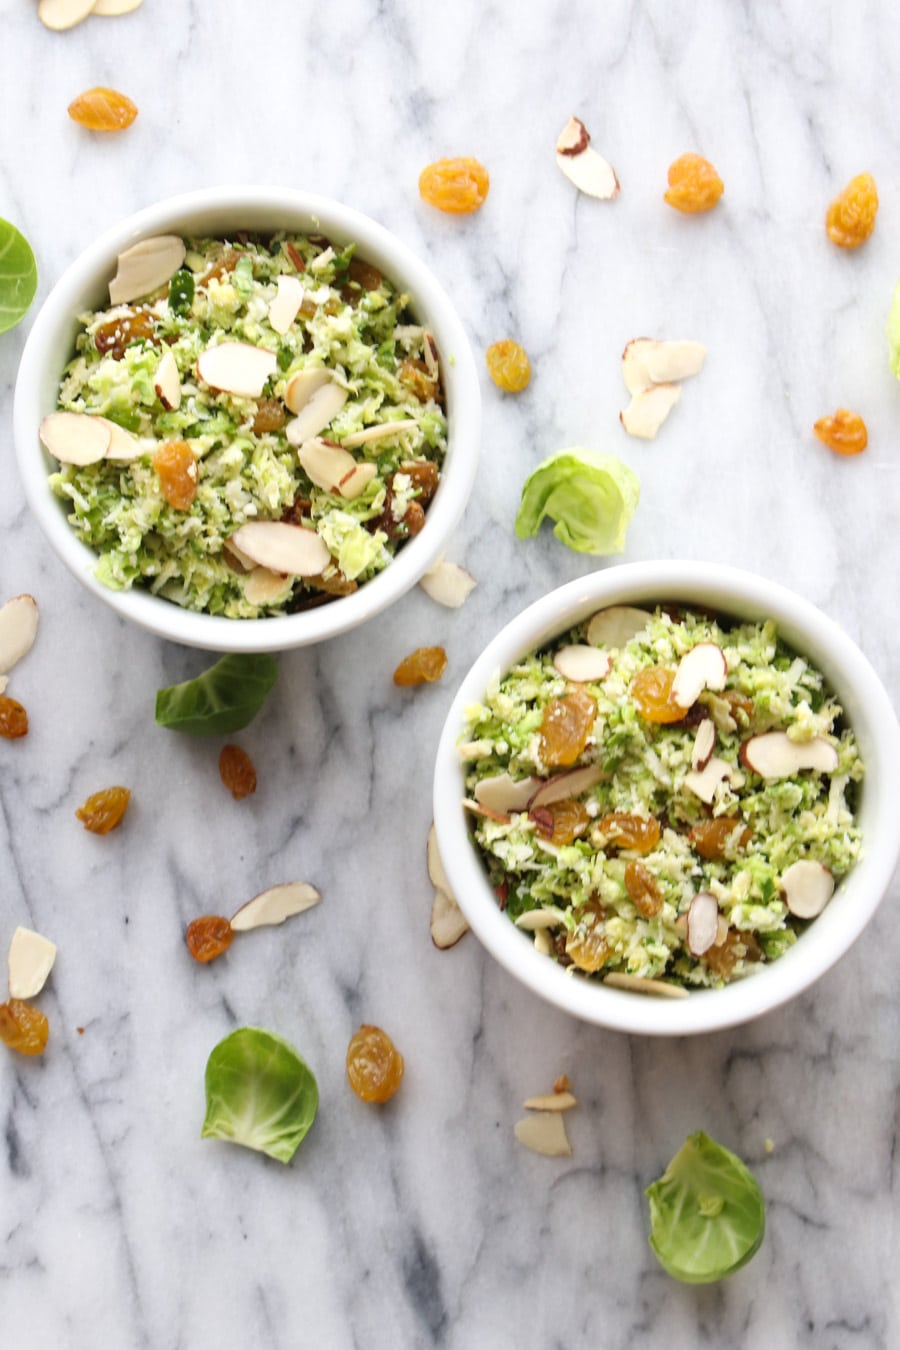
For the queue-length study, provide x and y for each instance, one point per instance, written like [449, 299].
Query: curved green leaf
[223, 699]
[18, 276]
[259, 1093]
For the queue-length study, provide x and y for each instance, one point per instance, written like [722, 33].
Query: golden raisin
[116, 335]
[722, 960]
[208, 937]
[621, 830]
[23, 1027]
[844, 433]
[565, 727]
[423, 474]
[13, 719]
[850, 218]
[222, 268]
[569, 819]
[374, 1065]
[418, 379]
[104, 810]
[237, 772]
[694, 185]
[642, 889]
[423, 666]
[458, 186]
[652, 694]
[103, 109]
[364, 274]
[711, 837]
[176, 466]
[508, 365]
[587, 946]
[269, 416]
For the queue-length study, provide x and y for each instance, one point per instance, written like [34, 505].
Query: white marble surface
[425, 1224]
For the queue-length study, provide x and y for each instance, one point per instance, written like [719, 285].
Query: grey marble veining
[425, 1224]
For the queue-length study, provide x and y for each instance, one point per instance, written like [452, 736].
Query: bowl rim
[232, 204]
[736, 592]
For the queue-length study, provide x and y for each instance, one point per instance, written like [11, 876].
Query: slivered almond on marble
[448, 923]
[284, 309]
[18, 629]
[167, 382]
[447, 583]
[30, 961]
[146, 266]
[544, 1132]
[111, 9]
[379, 433]
[62, 14]
[646, 361]
[273, 906]
[291, 549]
[551, 1101]
[75, 438]
[317, 413]
[590, 172]
[237, 368]
[648, 409]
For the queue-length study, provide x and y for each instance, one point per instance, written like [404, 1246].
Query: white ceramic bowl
[214, 212]
[866, 705]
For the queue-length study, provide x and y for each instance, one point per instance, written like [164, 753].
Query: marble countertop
[425, 1224]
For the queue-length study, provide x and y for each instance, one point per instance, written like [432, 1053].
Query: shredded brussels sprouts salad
[314, 311]
[662, 800]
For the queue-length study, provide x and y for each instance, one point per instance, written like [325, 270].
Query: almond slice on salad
[447, 584]
[544, 1132]
[265, 587]
[648, 410]
[534, 919]
[505, 794]
[615, 626]
[122, 445]
[111, 9]
[301, 387]
[642, 984]
[448, 923]
[582, 664]
[285, 307]
[478, 810]
[703, 667]
[291, 549]
[237, 368]
[807, 886]
[30, 961]
[563, 786]
[75, 438]
[146, 266]
[324, 464]
[317, 413]
[647, 361]
[356, 480]
[273, 906]
[703, 782]
[590, 172]
[62, 14]
[379, 432]
[704, 745]
[551, 1101]
[774, 755]
[167, 382]
[702, 923]
[18, 629]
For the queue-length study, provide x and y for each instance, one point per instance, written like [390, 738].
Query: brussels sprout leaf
[590, 495]
[223, 699]
[18, 276]
[259, 1093]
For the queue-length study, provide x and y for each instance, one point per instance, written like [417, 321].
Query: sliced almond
[581, 164]
[30, 960]
[448, 584]
[75, 438]
[284, 309]
[436, 871]
[110, 9]
[291, 549]
[235, 558]
[167, 381]
[702, 923]
[582, 664]
[62, 14]
[317, 413]
[703, 667]
[301, 387]
[648, 410]
[703, 782]
[534, 919]
[544, 1132]
[774, 755]
[543, 942]
[265, 587]
[704, 744]
[122, 445]
[615, 626]
[379, 433]
[356, 480]
[237, 368]
[551, 1101]
[641, 984]
[325, 465]
[645, 361]
[807, 886]
[478, 810]
[273, 906]
[448, 923]
[18, 629]
[145, 267]
[505, 794]
[566, 785]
